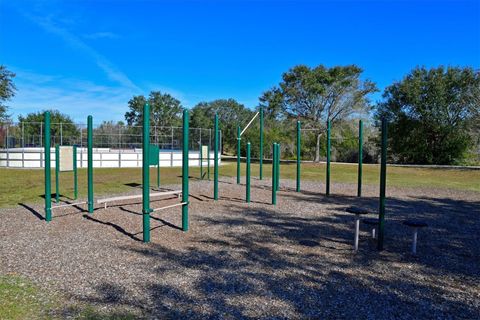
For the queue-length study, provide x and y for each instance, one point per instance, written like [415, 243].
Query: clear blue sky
[90, 57]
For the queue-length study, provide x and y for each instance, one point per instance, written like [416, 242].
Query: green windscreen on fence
[153, 156]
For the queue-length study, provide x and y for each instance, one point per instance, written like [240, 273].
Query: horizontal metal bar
[137, 196]
[170, 206]
[69, 204]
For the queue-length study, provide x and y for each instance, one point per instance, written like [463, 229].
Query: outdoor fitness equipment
[328, 152]
[147, 161]
[65, 160]
[239, 139]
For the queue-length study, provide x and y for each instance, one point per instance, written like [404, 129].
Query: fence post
[146, 173]
[201, 160]
[360, 157]
[238, 154]
[298, 156]
[48, 182]
[327, 183]
[90, 162]
[208, 161]
[215, 159]
[383, 183]
[61, 133]
[185, 172]
[261, 145]
[247, 183]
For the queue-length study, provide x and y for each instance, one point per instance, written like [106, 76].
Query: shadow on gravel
[262, 263]
[32, 211]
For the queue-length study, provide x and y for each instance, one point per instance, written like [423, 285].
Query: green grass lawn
[27, 186]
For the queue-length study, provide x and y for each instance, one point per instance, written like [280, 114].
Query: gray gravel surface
[249, 261]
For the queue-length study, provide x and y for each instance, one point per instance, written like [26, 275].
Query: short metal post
[277, 183]
[57, 173]
[327, 183]
[238, 154]
[48, 182]
[360, 157]
[357, 231]
[247, 183]
[414, 244]
[215, 159]
[146, 173]
[185, 172]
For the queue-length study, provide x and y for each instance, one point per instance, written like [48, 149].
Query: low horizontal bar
[69, 204]
[170, 206]
[137, 196]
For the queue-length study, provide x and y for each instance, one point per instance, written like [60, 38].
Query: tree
[431, 114]
[317, 95]
[165, 110]
[62, 129]
[7, 91]
[230, 115]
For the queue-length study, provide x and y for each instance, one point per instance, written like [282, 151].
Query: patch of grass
[19, 299]
[27, 186]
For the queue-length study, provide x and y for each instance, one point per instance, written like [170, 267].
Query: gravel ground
[238, 260]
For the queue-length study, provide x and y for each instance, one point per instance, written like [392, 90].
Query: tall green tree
[7, 91]
[62, 128]
[230, 115]
[317, 95]
[432, 114]
[166, 111]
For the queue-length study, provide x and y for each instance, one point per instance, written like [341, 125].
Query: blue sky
[91, 57]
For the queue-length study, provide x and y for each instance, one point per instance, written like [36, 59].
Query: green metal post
[360, 157]
[208, 161]
[278, 167]
[57, 173]
[327, 183]
[274, 174]
[185, 172]
[238, 154]
[158, 174]
[383, 183]
[298, 156]
[146, 173]
[47, 165]
[215, 159]
[201, 162]
[75, 174]
[90, 162]
[261, 145]
[247, 183]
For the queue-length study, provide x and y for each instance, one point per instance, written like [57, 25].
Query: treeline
[433, 115]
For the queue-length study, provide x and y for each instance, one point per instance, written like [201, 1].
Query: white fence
[102, 158]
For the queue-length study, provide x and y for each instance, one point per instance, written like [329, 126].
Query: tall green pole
[146, 173]
[185, 172]
[57, 173]
[247, 183]
[215, 159]
[238, 154]
[274, 174]
[75, 174]
[360, 157]
[47, 165]
[201, 162]
[327, 183]
[261, 145]
[208, 161]
[277, 183]
[90, 162]
[298, 156]
[383, 183]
